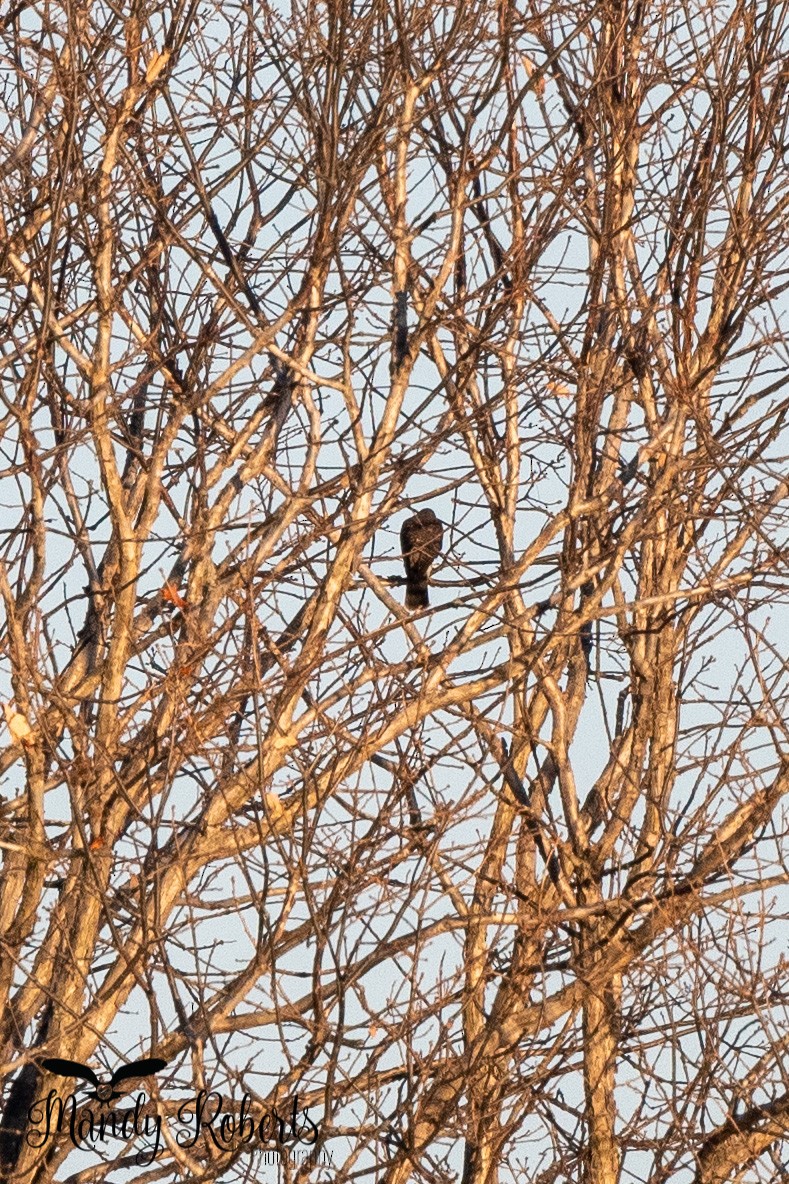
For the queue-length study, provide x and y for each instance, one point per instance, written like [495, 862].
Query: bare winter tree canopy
[485, 890]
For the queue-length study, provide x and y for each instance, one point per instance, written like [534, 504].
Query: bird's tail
[416, 594]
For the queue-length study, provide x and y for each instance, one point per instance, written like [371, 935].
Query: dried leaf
[171, 594]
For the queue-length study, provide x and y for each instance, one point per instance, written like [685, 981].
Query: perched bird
[16, 1118]
[20, 729]
[421, 539]
[400, 328]
[628, 469]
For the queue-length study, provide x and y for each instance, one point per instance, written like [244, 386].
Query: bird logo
[105, 1090]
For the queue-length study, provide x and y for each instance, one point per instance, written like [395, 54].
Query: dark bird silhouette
[421, 539]
[22, 1094]
[16, 1116]
[628, 469]
[400, 328]
[105, 1091]
[637, 362]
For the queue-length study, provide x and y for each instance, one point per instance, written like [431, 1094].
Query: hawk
[421, 538]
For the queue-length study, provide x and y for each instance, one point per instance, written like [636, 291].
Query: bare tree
[492, 889]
